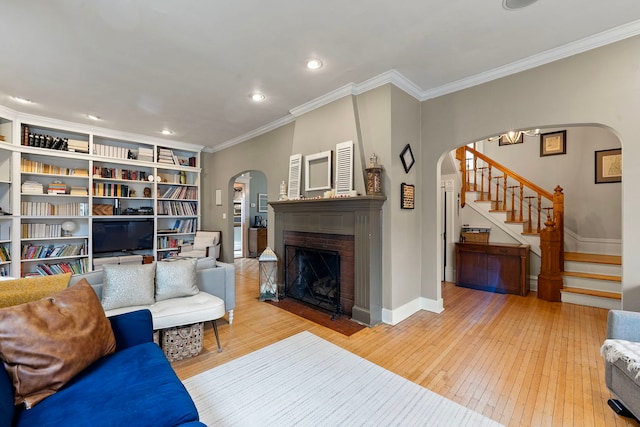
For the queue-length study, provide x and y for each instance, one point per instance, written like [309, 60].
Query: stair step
[500, 210]
[592, 276]
[594, 258]
[514, 221]
[594, 293]
[530, 233]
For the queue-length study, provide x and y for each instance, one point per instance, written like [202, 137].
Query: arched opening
[248, 212]
[593, 206]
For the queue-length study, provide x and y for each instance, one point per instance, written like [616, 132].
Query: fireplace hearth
[313, 276]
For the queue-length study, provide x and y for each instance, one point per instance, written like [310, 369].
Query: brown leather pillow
[45, 343]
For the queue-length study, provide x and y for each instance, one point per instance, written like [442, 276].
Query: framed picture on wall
[408, 196]
[608, 166]
[262, 202]
[553, 143]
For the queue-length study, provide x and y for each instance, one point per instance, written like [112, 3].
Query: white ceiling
[190, 65]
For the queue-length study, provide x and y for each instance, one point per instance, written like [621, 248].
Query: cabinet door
[503, 273]
[471, 269]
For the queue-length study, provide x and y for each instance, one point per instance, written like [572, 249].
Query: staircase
[593, 280]
[517, 207]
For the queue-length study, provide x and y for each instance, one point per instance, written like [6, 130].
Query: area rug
[306, 381]
[340, 323]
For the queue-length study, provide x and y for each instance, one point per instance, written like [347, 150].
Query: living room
[596, 86]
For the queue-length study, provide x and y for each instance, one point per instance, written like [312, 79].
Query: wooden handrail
[511, 173]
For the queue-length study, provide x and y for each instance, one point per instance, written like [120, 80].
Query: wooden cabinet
[257, 240]
[502, 268]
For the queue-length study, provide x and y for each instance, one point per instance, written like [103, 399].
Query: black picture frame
[608, 166]
[407, 158]
[407, 196]
[553, 143]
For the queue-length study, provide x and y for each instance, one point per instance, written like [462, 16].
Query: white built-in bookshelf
[56, 175]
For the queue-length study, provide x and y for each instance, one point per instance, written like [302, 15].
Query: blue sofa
[135, 385]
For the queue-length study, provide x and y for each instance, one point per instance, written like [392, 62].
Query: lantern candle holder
[268, 266]
[374, 177]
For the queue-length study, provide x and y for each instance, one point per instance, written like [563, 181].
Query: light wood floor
[518, 360]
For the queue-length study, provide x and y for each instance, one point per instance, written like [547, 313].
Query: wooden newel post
[461, 154]
[550, 277]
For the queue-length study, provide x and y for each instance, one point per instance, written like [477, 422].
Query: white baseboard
[393, 317]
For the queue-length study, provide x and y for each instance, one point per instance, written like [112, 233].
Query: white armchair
[205, 244]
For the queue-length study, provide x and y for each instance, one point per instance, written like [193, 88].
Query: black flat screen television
[122, 236]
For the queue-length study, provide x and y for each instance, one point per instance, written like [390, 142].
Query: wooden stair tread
[592, 276]
[500, 210]
[514, 221]
[530, 233]
[593, 258]
[591, 292]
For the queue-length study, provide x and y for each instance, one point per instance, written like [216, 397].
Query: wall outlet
[224, 215]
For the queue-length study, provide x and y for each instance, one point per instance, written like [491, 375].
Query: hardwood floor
[518, 360]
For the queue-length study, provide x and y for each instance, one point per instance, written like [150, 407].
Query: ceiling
[190, 65]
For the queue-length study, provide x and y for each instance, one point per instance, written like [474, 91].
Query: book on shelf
[79, 191]
[32, 187]
[78, 145]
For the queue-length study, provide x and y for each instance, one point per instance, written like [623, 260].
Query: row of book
[110, 190]
[77, 266]
[37, 231]
[117, 173]
[185, 225]
[32, 166]
[166, 242]
[77, 145]
[179, 192]
[49, 209]
[4, 254]
[53, 251]
[43, 141]
[177, 208]
[112, 151]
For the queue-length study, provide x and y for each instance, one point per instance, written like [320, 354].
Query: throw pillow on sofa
[128, 285]
[45, 343]
[176, 278]
[27, 289]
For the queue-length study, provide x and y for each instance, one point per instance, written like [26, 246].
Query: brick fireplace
[350, 226]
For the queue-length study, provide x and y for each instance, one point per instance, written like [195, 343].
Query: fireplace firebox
[313, 276]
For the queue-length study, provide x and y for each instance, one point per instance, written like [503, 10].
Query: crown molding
[254, 133]
[341, 92]
[598, 40]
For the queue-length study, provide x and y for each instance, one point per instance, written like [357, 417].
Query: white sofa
[216, 282]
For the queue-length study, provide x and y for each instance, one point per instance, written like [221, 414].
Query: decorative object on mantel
[283, 191]
[317, 171]
[344, 169]
[268, 265]
[407, 158]
[374, 177]
[553, 143]
[407, 196]
[295, 171]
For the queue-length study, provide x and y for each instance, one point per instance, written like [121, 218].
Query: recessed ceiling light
[22, 100]
[167, 132]
[516, 4]
[314, 64]
[257, 97]
[92, 117]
